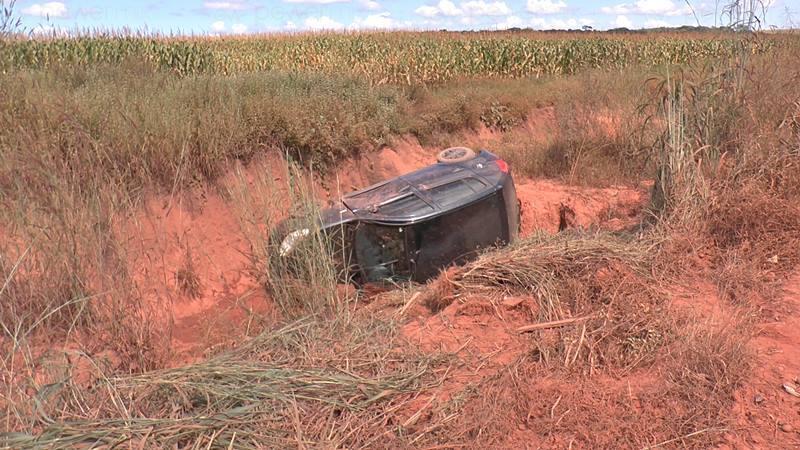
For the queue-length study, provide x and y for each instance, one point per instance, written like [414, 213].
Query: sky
[214, 17]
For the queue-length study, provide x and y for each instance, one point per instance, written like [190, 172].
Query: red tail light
[502, 165]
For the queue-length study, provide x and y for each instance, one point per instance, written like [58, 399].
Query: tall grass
[304, 282]
[397, 58]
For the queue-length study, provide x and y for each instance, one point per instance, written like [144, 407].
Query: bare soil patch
[766, 413]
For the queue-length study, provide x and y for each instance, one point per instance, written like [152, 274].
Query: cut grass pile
[600, 286]
[285, 387]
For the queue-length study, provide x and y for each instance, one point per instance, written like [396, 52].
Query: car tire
[454, 155]
[278, 233]
[276, 237]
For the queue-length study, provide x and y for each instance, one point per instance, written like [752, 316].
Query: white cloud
[617, 9]
[482, 8]
[370, 5]
[317, 2]
[448, 8]
[623, 22]
[655, 23]
[321, 23]
[290, 26]
[560, 24]
[235, 5]
[382, 21]
[657, 7]
[443, 8]
[510, 22]
[220, 27]
[545, 6]
[49, 9]
[472, 8]
[653, 7]
[427, 11]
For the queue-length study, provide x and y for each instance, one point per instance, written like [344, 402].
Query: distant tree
[587, 28]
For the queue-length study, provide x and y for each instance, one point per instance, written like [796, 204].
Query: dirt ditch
[190, 248]
[192, 258]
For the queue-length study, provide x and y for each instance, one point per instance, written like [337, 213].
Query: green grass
[397, 58]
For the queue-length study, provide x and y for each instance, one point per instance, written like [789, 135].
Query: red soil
[765, 414]
[610, 208]
[479, 332]
[200, 232]
[199, 235]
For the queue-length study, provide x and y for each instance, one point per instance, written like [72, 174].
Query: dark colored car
[413, 226]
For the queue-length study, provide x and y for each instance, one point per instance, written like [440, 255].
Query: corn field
[395, 58]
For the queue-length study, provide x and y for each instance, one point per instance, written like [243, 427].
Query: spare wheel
[454, 155]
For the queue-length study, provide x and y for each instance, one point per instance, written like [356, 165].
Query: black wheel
[455, 155]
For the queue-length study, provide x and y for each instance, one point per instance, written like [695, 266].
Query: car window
[455, 192]
[410, 205]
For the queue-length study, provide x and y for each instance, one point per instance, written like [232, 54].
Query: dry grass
[683, 403]
[757, 234]
[283, 388]
[603, 279]
[306, 282]
[631, 372]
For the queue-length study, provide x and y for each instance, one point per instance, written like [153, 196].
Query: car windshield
[381, 252]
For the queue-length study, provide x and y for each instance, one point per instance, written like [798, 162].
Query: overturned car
[412, 226]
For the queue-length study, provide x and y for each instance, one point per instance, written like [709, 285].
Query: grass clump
[281, 388]
[602, 282]
[169, 130]
[304, 281]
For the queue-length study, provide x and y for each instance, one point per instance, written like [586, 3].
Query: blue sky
[254, 16]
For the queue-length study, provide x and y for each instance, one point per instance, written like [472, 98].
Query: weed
[186, 277]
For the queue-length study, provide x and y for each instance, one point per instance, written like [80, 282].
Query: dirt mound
[617, 364]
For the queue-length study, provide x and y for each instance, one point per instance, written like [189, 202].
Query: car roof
[427, 192]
